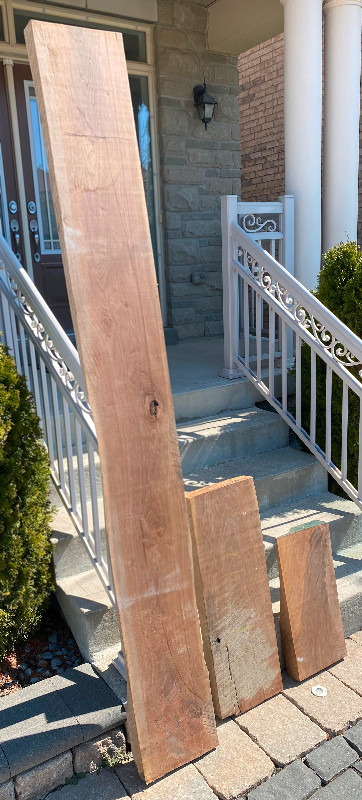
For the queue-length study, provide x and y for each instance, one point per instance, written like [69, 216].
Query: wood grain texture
[233, 596]
[310, 617]
[82, 87]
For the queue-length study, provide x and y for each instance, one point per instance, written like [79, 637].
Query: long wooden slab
[85, 107]
[233, 595]
[310, 617]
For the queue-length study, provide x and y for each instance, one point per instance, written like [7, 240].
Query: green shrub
[340, 290]
[25, 512]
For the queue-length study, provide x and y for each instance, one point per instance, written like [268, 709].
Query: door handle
[14, 227]
[33, 225]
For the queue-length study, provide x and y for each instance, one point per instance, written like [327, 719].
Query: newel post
[6, 334]
[229, 214]
[287, 228]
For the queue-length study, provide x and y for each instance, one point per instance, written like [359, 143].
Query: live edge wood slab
[233, 595]
[82, 88]
[310, 617]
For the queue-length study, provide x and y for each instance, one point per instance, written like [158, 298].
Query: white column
[342, 69]
[303, 130]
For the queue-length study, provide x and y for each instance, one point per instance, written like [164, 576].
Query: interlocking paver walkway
[245, 764]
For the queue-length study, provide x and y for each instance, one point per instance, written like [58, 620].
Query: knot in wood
[152, 407]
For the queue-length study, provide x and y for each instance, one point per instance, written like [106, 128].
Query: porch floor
[196, 364]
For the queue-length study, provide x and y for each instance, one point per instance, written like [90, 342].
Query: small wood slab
[82, 87]
[233, 596]
[310, 616]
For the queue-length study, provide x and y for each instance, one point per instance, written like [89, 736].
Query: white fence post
[229, 214]
[287, 228]
[287, 260]
[5, 324]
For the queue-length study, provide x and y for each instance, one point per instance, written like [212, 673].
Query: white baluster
[329, 414]
[81, 479]
[271, 350]
[313, 399]
[344, 431]
[298, 382]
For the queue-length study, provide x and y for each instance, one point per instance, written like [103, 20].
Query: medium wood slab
[233, 596]
[310, 616]
[82, 87]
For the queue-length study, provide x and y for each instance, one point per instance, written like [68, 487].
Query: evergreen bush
[340, 290]
[25, 512]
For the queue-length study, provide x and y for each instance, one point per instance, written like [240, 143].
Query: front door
[45, 253]
[44, 241]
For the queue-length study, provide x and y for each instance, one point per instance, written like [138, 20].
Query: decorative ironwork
[250, 223]
[339, 351]
[47, 345]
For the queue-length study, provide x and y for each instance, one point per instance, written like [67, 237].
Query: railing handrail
[274, 207]
[306, 299]
[42, 311]
[255, 282]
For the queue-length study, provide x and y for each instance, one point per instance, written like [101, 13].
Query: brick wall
[262, 124]
[261, 102]
[197, 166]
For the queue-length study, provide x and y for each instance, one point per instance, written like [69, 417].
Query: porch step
[235, 435]
[89, 612]
[343, 517]
[280, 476]
[222, 395]
[348, 570]
[94, 624]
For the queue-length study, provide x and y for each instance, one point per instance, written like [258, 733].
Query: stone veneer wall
[197, 166]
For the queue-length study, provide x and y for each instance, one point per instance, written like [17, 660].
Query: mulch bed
[49, 650]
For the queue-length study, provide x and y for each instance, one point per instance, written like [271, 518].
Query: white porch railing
[50, 363]
[252, 278]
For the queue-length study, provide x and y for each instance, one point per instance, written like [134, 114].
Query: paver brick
[4, 768]
[36, 783]
[237, 765]
[88, 756]
[347, 787]
[102, 785]
[331, 758]
[335, 712]
[294, 782]
[358, 766]
[92, 702]
[349, 671]
[7, 791]
[36, 725]
[354, 737]
[357, 637]
[182, 784]
[281, 730]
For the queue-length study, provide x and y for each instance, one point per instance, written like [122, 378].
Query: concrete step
[230, 436]
[89, 612]
[280, 476]
[348, 571]
[221, 395]
[343, 517]
[94, 623]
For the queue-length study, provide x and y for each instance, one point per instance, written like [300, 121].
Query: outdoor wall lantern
[205, 104]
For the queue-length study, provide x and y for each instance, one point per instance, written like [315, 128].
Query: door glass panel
[4, 218]
[134, 41]
[49, 239]
[2, 37]
[141, 111]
